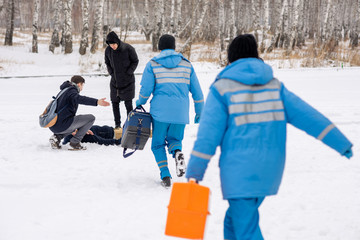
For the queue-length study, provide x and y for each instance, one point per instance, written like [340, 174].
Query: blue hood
[248, 71]
[169, 58]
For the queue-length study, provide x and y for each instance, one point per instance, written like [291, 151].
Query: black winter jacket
[121, 64]
[69, 102]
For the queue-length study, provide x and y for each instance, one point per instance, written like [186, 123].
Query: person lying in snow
[246, 113]
[103, 135]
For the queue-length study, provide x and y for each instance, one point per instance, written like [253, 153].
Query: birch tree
[97, 26]
[279, 30]
[55, 42]
[187, 44]
[233, 30]
[221, 32]
[84, 42]
[35, 26]
[178, 15]
[295, 25]
[68, 26]
[10, 15]
[265, 27]
[157, 29]
[106, 21]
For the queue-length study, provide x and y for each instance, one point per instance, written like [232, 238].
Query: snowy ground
[99, 195]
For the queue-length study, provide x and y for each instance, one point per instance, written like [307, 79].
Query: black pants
[116, 111]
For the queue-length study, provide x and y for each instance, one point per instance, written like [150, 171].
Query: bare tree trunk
[35, 26]
[97, 26]
[147, 28]
[172, 17]
[178, 15]
[279, 30]
[106, 21]
[295, 24]
[195, 31]
[256, 18]
[233, 30]
[10, 15]
[265, 27]
[221, 33]
[68, 26]
[55, 42]
[157, 30]
[84, 42]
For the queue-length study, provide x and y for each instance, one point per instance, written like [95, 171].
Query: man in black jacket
[121, 61]
[67, 120]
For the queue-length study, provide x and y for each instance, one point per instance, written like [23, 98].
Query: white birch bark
[10, 15]
[147, 25]
[55, 42]
[68, 26]
[295, 24]
[106, 21]
[325, 23]
[265, 27]
[196, 29]
[157, 29]
[178, 15]
[34, 48]
[97, 26]
[255, 9]
[221, 34]
[172, 16]
[233, 30]
[84, 42]
[278, 33]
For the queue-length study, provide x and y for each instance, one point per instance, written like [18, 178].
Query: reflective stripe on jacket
[245, 113]
[169, 77]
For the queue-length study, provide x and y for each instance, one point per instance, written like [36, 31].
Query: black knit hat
[243, 46]
[166, 41]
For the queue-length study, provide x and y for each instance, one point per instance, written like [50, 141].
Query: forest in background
[319, 32]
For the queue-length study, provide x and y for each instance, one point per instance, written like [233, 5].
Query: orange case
[187, 210]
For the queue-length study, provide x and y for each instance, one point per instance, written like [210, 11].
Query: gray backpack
[49, 117]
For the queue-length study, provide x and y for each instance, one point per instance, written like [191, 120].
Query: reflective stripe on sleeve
[325, 131]
[199, 101]
[260, 117]
[201, 155]
[143, 96]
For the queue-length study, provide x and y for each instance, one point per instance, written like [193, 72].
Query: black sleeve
[107, 61]
[134, 61]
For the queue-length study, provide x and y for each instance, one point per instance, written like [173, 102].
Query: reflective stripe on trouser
[166, 134]
[242, 219]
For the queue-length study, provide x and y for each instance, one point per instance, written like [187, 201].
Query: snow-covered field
[98, 195]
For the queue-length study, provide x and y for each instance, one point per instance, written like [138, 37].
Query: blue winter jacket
[68, 104]
[246, 113]
[169, 77]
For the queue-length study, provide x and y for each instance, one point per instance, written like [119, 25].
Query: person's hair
[243, 46]
[166, 41]
[77, 79]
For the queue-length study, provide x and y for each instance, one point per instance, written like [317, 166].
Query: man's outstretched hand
[102, 102]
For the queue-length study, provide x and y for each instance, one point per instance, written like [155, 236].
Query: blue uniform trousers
[242, 219]
[166, 134]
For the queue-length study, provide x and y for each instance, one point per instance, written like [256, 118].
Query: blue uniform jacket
[169, 77]
[246, 113]
[69, 103]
